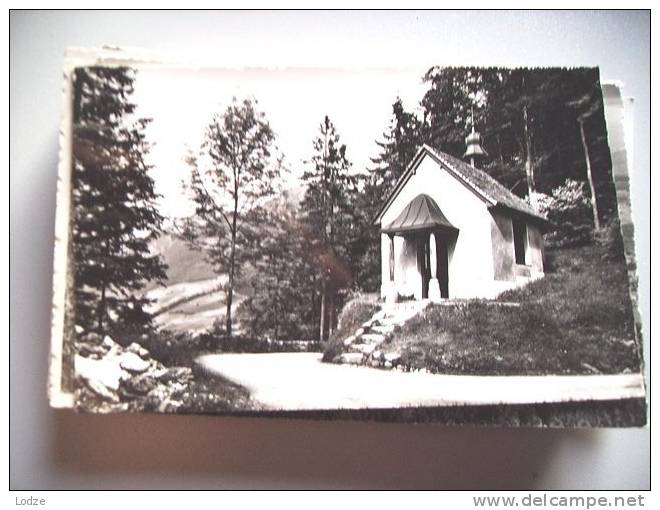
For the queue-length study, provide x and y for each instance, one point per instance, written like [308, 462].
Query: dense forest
[297, 261]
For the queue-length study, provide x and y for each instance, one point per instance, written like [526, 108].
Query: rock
[140, 384]
[179, 374]
[90, 350]
[365, 348]
[374, 338]
[139, 350]
[392, 356]
[109, 343]
[348, 341]
[384, 329]
[591, 368]
[100, 390]
[387, 364]
[92, 338]
[78, 329]
[352, 358]
[102, 376]
[133, 363]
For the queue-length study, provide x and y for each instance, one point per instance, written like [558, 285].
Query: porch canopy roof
[422, 213]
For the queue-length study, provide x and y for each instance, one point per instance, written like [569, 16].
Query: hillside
[576, 320]
[193, 295]
[184, 264]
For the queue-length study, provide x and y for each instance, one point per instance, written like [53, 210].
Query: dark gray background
[58, 449]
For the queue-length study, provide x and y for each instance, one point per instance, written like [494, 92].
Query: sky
[181, 102]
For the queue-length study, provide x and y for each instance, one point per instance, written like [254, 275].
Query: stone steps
[383, 329]
[352, 358]
[372, 338]
[364, 348]
[364, 345]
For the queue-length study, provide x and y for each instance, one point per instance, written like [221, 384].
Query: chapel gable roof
[478, 181]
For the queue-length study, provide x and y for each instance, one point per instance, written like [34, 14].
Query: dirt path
[300, 381]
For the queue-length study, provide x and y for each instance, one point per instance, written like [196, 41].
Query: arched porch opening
[426, 233]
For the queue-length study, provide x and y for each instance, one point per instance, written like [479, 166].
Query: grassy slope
[578, 319]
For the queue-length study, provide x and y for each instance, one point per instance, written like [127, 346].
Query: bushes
[569, 209]
[249, 344]
[183, 348]
[211, 394]
[610, 239]
[173, 349]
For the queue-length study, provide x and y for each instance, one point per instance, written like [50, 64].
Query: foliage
[182, 349]
[231, 180]
[527, 117]
[609, 237]
[280, 291]
[212, 394]
[114, 204]
[397, 148]
[568, 209]
[175, 349]
[329, 218]
[219, 342]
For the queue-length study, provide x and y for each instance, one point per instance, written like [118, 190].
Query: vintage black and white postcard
[431, 245]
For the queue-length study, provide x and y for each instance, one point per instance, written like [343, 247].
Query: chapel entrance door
[442, 257]
[424, 263]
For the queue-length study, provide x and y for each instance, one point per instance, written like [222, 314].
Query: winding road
[300, 381]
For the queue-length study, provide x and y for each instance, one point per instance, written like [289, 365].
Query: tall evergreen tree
[114, 203]
[230, 182]
[399, 144]
[328, 210]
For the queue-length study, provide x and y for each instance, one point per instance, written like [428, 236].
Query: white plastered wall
[470, 260]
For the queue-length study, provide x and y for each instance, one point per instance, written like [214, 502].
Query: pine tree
[400, 142]
[115, 215]
[230, 182]
[328, 210]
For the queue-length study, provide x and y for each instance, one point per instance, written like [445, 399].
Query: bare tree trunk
[102, 303]
[594, 205]
[232, 262]
[101, 310]
[230, 289]
[322, 318]
[331, 311]
[529, 159]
